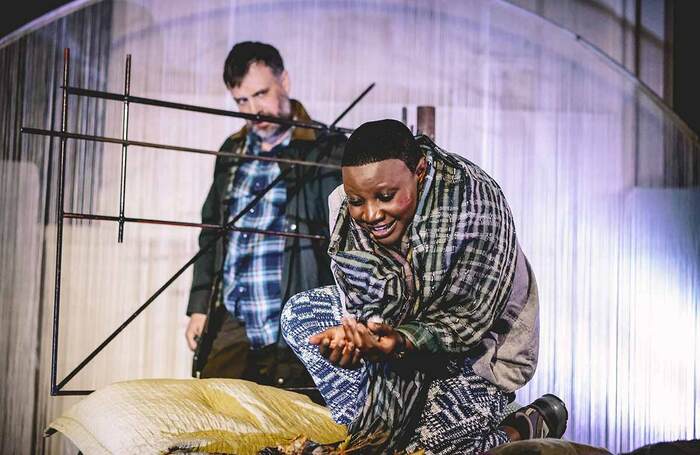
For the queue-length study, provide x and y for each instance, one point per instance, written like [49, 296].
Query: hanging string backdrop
[602, 181]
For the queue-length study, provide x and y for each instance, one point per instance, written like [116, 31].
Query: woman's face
[382, 197]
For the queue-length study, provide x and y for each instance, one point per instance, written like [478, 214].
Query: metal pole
[182, 269]
[59, 223]
[145, 305]
[175, 148]
[125, 137]
[313, 124]
[357, 100]
[73, 392]
[425, 121]
[213, 227]
[127, 98]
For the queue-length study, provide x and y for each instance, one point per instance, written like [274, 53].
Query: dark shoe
[544, 418]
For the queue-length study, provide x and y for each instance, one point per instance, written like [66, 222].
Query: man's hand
[194, 329]
[334, 346]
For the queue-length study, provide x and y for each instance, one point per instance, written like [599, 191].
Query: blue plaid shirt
[253, 264]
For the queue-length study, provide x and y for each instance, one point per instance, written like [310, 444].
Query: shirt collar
[254, 144]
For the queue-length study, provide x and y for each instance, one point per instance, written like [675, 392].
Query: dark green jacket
[305, 264]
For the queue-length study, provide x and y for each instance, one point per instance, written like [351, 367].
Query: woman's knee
[310, 311]
[292, 313]
[293, 307]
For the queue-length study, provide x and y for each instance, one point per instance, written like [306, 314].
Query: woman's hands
[334, 346]
[345, 345]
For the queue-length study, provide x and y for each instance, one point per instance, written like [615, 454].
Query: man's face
[382, 197]
[261, 92]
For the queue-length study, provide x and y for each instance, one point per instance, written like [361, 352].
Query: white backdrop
[600, 179]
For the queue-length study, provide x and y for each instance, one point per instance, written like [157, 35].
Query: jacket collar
[298, 134]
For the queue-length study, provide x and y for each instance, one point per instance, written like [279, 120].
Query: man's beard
[270, 132]
[273, 131]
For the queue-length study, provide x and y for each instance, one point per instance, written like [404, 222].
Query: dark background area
[685, 38]
[19, 13]
[686, 64]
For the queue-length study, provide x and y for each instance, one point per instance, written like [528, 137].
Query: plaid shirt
[253, 264]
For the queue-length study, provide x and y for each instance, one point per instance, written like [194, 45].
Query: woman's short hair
[382, 140]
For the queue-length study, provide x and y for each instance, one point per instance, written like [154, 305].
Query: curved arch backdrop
[602, 180]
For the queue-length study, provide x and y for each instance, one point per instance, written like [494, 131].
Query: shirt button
[245, 236]
[252, 210]
[293, 227]
[241, 289]
[280, 381]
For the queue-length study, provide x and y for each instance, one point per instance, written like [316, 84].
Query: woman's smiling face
[382, 197]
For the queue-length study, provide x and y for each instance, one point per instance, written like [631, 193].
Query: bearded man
[239, 288]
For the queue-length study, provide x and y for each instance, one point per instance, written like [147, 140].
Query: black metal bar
[637, 37]
[59, 223]
[230, 226]
[37, 420]
[213, 227]
[88, 392]
[313, 125]
[182, 269]
[175, 148]
[72, 392]
[357, 100]
[125, 137]
[133, 316]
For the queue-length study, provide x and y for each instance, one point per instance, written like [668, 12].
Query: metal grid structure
[121, 219]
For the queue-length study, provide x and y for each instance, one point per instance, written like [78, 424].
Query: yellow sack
[193, 415]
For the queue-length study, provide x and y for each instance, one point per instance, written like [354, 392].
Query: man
[433, 323]
[238, 288]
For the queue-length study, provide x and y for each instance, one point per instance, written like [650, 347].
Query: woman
[433, 322]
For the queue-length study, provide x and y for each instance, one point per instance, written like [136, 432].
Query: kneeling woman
[433, 322]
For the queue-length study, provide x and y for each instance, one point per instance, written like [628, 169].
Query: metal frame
[121, 219]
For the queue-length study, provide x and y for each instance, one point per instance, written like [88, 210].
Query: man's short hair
[246, 53]
[381, 140]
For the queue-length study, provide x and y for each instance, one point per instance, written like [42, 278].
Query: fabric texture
[461, 411]
[443, 296]
[253, 263]
[461, 415]
[463, 247]
[185, 415]
[312, 312]
[507, 354]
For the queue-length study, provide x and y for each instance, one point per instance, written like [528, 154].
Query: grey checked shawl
[454, 282]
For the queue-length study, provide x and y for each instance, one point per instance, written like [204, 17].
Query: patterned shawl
[443, 296]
